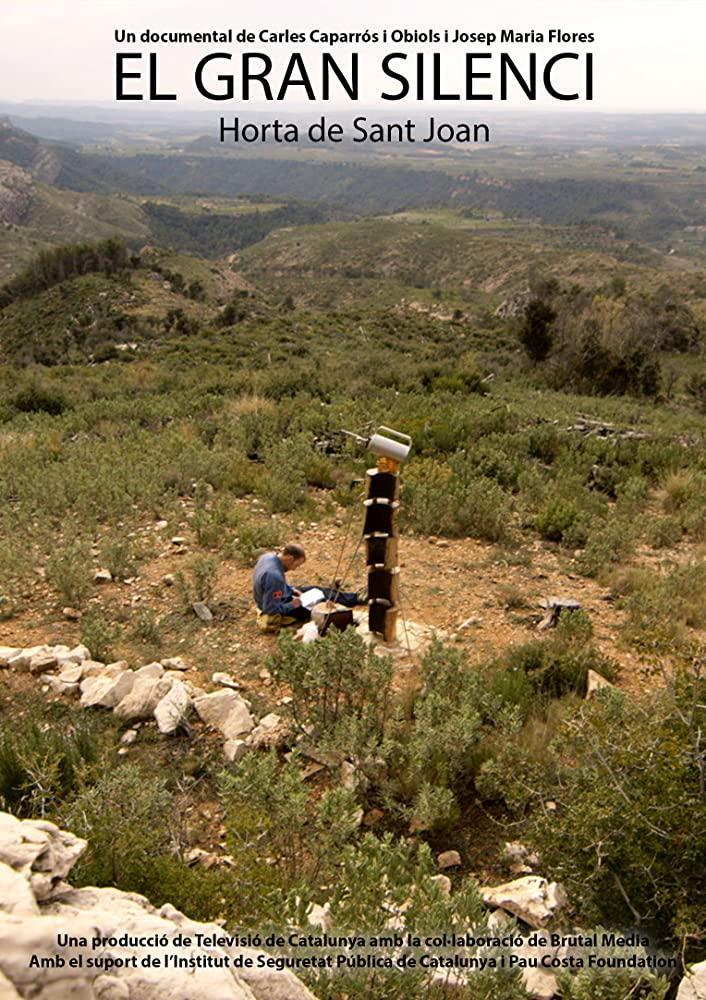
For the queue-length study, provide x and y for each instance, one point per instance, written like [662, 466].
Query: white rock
[7, 653]
[320, 916]
[128, 737]
[227, 712]
[148, 689]
[693, 985]
[72, 674]
[272, 731]
[532, 898]
[107, 690]
[58, 686]
[78, 654]
[235, 750]
[225, 680]
[39, 851]
[23, 657]
[596, 682]
[444, 883]
[171, 711]
[174, 663]
[448, 859]
[308, 633]
[16, 895]
[103, 576]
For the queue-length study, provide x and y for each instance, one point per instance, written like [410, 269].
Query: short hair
[294, 550]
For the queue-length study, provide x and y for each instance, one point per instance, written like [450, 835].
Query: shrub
[129, 819]
[98, 634]
[69, 572]
[197, 583]
[341, 690]
[41, 764]
[629, 840]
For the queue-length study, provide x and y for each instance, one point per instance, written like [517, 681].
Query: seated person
[278, 602]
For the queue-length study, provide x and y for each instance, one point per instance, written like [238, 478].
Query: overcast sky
[649, 54]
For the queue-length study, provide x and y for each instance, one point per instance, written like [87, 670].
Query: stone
[596, 682]
[71, 614]
[103, 576]
[106, 690]
[533, 899]
[178, 540]
[172, 710]
[148, 688]
[174, 663]
[112, 913]
[58, 686]
[41, 852]
[77, 655]
[71, 674]
[320, 916]
[444, 883]
[23, 657]
[235, 750]
[225, 680]
[448, 859]
[16, 896]
[7, 653]
[227, 712]
[693, 985]
[202, 611]
[128, 737]
[520, 859]
[168, 580]
[41, 662]
[271, 732]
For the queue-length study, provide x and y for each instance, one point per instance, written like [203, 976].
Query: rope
[340, 554]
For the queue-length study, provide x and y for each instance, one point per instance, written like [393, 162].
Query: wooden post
[381, 535]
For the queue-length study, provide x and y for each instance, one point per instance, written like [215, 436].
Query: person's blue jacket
[270, 589]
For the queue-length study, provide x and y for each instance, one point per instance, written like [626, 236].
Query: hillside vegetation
[173, 404]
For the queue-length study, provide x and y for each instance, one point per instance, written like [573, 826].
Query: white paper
[311, 597]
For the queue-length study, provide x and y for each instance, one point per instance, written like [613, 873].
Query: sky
[648, 53]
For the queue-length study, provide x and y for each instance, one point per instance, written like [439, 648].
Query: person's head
[292, 556]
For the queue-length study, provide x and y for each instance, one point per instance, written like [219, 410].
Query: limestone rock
[7, 990]
[6, 654]
[16, 896]
[41, 662]
[174, 663]
[271, 732]
[106, 690]
[148, 689]
[227, 712]
[171, 711]
[596, 682]
[444, 883]
[235, 750]
[448, 859]
[693, 985]
[225, 680]
[41, 852]
[532, 899]
[202, 611]
[102, 576]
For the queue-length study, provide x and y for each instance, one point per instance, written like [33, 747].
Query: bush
[40, 765]
[98, 634]
[69, 572]
[629, 840]
[341, 691]
[129, 819]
